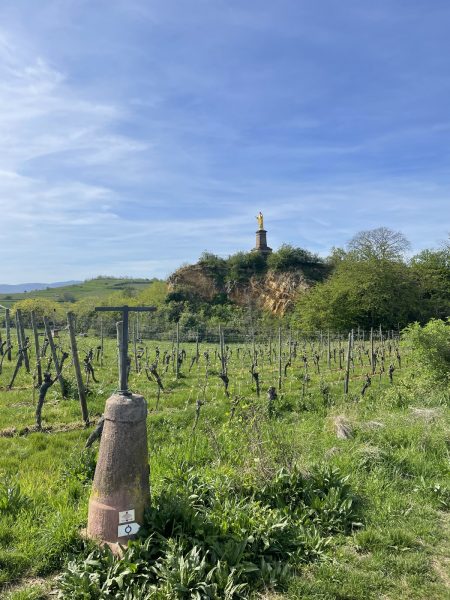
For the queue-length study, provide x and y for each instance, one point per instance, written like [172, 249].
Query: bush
[42, 307]
[430, 348]
[288, 258]
[243, 265]
[214, 266]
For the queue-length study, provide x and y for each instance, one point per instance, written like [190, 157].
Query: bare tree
[381, 243]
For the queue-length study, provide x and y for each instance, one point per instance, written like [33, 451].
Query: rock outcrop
[273, 291]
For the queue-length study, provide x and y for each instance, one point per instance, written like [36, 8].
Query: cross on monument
[125, 310]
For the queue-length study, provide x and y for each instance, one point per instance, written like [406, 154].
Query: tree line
[371, 281]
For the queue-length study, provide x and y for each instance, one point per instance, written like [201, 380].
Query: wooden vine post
[279, 358]
[22, 339]
[177, 352]
[329, 349]
[36, 347]
[77, 368]
[349, 356]
[8, 333]
[372, 352]
[51, 343]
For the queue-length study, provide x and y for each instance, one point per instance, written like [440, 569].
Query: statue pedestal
[121, 488]
[261, 242]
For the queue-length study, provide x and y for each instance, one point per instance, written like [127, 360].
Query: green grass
[396, 460]
[98, 287]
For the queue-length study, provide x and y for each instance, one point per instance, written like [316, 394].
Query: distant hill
[18, 288]
[100, 286]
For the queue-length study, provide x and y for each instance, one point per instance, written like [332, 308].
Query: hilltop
[6, 288]
[270, 282]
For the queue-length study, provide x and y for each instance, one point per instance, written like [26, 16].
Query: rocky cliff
[273, 291]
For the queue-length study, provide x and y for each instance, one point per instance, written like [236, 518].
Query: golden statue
[260, 220]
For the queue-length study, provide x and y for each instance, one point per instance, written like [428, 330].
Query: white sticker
[126, 516]
[128, 529]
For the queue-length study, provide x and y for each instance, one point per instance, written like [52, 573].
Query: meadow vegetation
[304, 492]
[314, 494]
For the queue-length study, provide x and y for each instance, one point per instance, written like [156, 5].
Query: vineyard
[282, 464]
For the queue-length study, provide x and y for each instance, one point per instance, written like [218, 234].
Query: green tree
[432, 271]
[370, 285]
[153, 294]
[430, 347]
[382, 244]
[42, 308]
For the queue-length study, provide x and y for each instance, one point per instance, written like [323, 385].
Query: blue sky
[134, 134]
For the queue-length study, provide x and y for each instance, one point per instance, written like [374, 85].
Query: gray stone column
[261, 242]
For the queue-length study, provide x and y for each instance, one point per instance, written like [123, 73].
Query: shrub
[289, 258]
[243, 265]
[214, 266]
[430, 348]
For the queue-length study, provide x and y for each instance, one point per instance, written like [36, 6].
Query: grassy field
[99, 287]
[314, 495]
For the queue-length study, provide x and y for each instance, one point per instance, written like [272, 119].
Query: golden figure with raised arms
[260, 220]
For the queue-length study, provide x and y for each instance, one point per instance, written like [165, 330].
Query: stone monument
[121, 487]
[261, 236]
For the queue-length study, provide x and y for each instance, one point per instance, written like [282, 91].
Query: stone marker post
[121, 489]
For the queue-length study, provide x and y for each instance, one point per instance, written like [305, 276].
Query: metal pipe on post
[51, 343]
[119, 332]
[76, 366]
[135, 333]
[124, 355]
[101, 341]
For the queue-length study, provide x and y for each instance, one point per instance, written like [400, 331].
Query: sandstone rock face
[194, 279]
[274, 292]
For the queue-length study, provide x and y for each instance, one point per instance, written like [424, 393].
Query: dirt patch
[31, 582]
[427, 414]
[343, 428]
[56, 428]
[441, 563]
